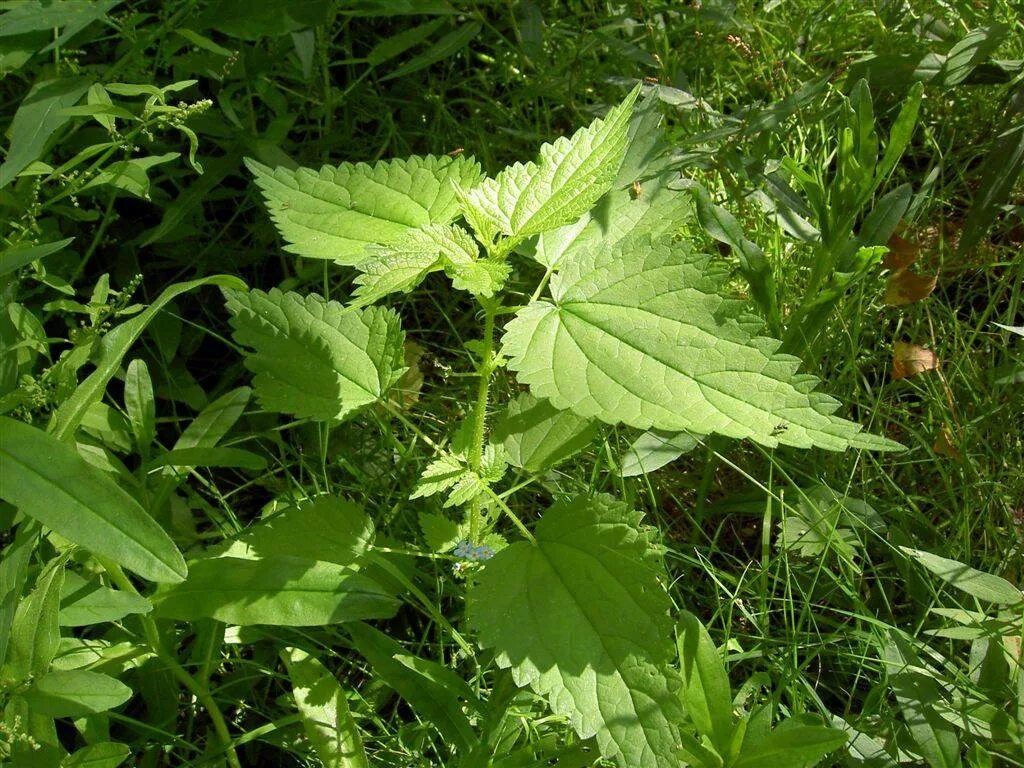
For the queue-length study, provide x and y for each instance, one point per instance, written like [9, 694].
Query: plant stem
[197, 689]
[476, 449]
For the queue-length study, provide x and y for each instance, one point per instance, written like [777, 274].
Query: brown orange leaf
[910, 360]
[906, 287]
[902, 253]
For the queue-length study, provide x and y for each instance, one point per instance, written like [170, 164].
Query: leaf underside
[587, 627]
[641, 334]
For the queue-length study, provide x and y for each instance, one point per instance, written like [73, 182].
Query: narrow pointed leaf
[435, 692]
[113, 347]
[47, 480]
[984, 586]
[640, 334]
[326, 718]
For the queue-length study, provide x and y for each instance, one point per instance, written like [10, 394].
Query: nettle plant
[625, 324]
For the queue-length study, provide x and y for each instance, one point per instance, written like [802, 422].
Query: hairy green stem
[476, 448]
[197, 689]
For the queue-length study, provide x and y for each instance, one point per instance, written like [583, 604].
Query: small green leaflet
[582, 617]
[403, 265]
[640, 334]
[312, 357]
[336, 212]
[572, 174]
[450, 473]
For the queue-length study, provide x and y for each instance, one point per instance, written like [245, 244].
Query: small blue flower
[474, 552]
[481, 552]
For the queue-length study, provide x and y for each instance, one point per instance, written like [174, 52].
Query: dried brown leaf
[902, 253]
[906, 287]
[910, 360]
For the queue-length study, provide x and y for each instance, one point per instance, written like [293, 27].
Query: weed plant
[339, 427]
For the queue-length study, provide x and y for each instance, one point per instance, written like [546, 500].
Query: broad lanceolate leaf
[336, 212]
[105, 754]
[314, 358]
[582, 617]
[85, 602]
[435, 692]
[76, 693]
[284, 591]
[35, 634]
[796, 745]
[327, 528]
[571, 175]
[705, 688]
[984, 586]
[326, 718]
[38, 117]
[653, 450]
[640, 334]
[47, 480]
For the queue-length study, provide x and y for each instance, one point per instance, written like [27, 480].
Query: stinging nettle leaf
[571, 175]
[583, 618]
[640, 334]
[403, 265]
[537, 436]
[313, 358]
[337, 212]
